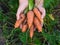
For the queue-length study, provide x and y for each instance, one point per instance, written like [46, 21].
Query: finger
[22, 17]
[18, 13]
[21, 9]
[42, 10]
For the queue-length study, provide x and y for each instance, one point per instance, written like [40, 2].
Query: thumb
[18, 13]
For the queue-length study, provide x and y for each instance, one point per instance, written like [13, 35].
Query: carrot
[24, 28]
[18, 22]
[31, 31]
[38, 14]
[37, 24]
[30, 17]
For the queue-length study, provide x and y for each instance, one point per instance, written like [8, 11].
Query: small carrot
[18, 22]
[31, 31]
[37, 24]
[24, 28]
[38, 14]
[30, 17]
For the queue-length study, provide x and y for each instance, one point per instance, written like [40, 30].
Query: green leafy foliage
[50, 4]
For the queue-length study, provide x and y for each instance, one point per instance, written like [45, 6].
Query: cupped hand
[39, 5]
[22, 5]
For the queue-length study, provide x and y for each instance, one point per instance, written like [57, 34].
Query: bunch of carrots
[32, 20]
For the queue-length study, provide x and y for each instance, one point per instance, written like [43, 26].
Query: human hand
[22, 5]
[39, 5]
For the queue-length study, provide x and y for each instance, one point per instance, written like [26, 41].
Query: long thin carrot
[38, 14]
[30, 17]
[18, 22]
[31, 31]
[37, 24]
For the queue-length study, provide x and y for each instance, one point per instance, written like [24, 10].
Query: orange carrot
[24, 28]
[38, 14]
[31, 31]
[18, 22]
[30, 17]
[37, 24]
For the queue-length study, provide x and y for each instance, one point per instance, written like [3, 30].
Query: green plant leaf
[31, 4]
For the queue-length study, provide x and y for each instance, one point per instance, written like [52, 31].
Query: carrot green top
[31, 4]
